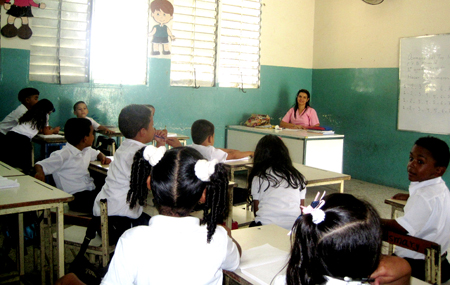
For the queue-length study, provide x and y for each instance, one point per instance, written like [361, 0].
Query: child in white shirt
[176, 248]
[277, 187]
[202, 133]
[80, 110]
[69, 166]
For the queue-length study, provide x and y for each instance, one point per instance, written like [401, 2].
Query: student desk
[236, 165]
[7, 171]
[311, 149]
[34, 195]
[396, 205]
[47, 141]
[318, 177]
[116, 133]
[257, 236]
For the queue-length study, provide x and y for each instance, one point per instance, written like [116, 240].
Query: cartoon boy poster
[162, 13]
[20, 9]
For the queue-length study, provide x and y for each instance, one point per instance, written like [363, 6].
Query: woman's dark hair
[176, 188]
[346, 244]
[272, 153]
[37, 115]
[296, 102]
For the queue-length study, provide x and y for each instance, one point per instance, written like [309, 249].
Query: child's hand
[106, 160]
[40, 176]
[108, 131]
[160, 137]
[401, 196]
[56, 130]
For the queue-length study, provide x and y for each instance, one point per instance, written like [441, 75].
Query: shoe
[9, 31]
[166, 52]
[24, 32]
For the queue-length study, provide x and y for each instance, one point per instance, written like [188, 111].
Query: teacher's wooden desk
[7, 171]
[311, 149]
[34, 195]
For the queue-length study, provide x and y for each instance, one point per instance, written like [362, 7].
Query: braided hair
[176, 188]
[346, 244]
[37, 115]
[140, 170]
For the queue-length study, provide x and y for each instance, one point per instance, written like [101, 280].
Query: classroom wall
[286, 66]
[355, 79]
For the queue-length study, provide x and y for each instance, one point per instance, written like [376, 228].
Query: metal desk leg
[60, 238]
[391, 246]
[21, 246]
[341, 188]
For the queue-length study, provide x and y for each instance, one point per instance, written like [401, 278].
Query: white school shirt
[117, 182]
[12, 119]
[279, 206]
[427, 215]
[69, 167]
[95, 125]
[210, 152]
[26, 129]
[172, 250]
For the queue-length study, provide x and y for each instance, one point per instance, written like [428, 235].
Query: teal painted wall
[363, 105]
[176, 107]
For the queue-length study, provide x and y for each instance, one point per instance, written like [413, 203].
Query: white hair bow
[318, 215]
[154, 154]
[204, 169]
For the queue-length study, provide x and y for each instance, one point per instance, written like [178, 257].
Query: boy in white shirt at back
[69, 166]
[202, 133]
[80, 110]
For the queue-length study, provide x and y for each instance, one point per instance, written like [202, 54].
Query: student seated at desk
[69, 166]
[28, 97]
[18, 139]
[136, 124]
[277, 187]
[202, 133]
[176, 248]
[338, 241]
[427, 210]
[80, 110]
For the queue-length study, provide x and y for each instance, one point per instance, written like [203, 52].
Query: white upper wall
[353, 34]
[287, 33]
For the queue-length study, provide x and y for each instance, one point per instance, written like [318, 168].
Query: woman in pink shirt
[301, 116]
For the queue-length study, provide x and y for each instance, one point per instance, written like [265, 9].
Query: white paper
[238, 159]
[7, 183]
[171, 135]
[54, 136]
[264, 274]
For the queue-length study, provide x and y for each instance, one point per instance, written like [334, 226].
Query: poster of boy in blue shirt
[162, 13]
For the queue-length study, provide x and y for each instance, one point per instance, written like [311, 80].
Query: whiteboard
[424, 99]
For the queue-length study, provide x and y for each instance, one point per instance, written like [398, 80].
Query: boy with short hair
[202, 133]
[28, 97]
[136, 125]
[427, 210]
[69, 166]
[80, 110]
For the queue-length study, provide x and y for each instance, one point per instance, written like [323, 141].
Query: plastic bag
[257, 120]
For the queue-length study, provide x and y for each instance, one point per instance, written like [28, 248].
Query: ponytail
[140, 170]
[216, 205]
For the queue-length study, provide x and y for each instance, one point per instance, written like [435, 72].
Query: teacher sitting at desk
[301, 116]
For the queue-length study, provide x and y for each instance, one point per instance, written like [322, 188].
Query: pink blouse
[308, 118]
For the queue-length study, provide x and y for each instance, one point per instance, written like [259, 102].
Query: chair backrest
[431, 250]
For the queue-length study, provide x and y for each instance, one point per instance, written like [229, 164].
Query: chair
[431, 250]
[98, 246]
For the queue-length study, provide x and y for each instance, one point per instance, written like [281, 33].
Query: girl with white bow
[176, 248]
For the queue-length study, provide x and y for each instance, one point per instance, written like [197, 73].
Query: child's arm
[39, 172]
[290, 126]
[173, 142]
[237, 244]
[255, 206]
[104, 129]
[160, 137]
[49, 130]
[236, 154]
[392, 270]
[103, 159]
[392, 225]
[401, 196]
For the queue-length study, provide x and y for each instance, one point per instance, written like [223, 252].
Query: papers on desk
[263, 263]
[171, 135]
[54, 136]
[238, 159]
[321, 132]
[7, 183]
